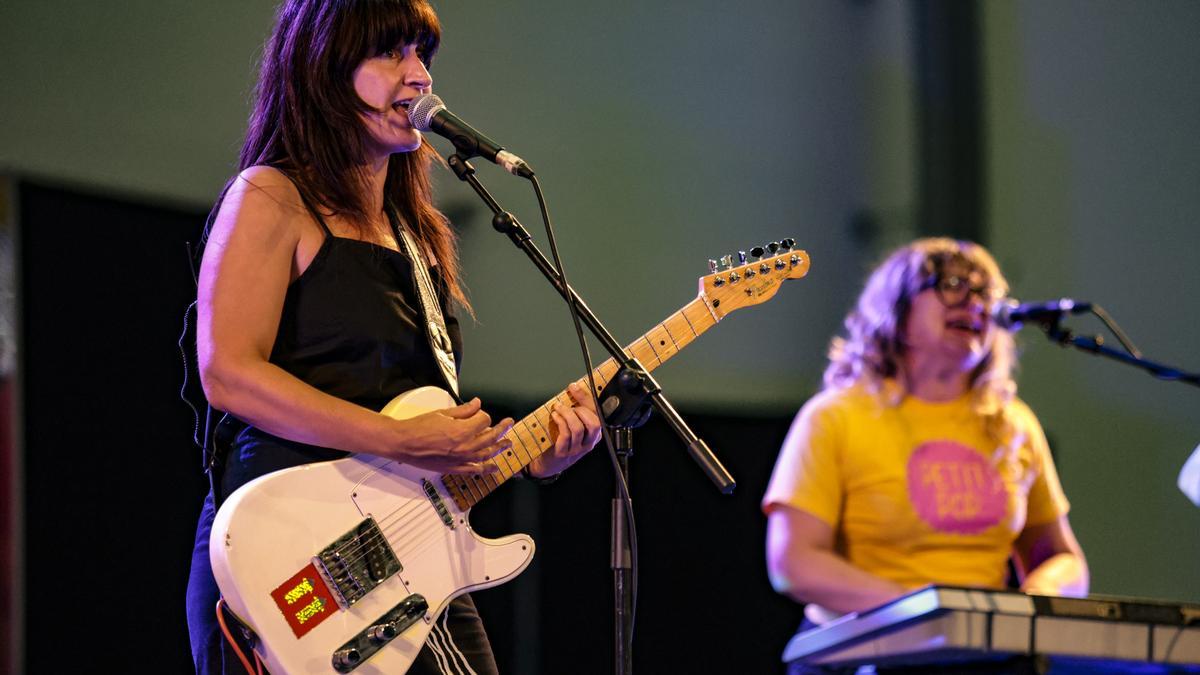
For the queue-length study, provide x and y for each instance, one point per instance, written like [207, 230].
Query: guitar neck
[531, 436]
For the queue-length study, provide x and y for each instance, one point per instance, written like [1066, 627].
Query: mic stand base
[622, 563]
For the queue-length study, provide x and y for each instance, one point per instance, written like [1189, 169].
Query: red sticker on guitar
[305, 600]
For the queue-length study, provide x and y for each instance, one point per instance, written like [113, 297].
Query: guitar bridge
[357, 562]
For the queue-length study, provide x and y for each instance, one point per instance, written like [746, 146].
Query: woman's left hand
[575, 431]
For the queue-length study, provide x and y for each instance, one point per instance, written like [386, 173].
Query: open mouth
[967, 325]
[401, 106]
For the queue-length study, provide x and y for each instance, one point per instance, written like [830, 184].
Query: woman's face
[949, 321]
[388, 83]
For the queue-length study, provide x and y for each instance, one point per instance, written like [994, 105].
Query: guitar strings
[354, 551]
[358, 548]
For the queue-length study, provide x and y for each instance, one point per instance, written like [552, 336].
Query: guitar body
[268, 532]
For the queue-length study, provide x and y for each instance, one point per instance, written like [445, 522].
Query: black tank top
[351, 327]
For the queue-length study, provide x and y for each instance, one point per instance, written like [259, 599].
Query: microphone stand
[1095, 345]
[625, 404]
[625, 408]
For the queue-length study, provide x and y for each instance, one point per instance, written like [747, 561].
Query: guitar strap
[435, 323]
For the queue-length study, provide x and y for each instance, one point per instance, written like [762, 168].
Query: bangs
[387, 25]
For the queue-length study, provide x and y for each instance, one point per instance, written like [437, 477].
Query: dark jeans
[458, 638]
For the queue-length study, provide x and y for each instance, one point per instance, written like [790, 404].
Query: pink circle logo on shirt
[954, 488]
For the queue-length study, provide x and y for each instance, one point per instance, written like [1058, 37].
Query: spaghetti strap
[307, 204]
[311, 209]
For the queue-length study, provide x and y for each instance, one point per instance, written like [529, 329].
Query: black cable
[1158, 370]
[604, 430]
[1116, 330]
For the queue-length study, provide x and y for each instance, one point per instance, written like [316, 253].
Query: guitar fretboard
[531, 436]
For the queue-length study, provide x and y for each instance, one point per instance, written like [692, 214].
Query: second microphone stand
[1095, 345]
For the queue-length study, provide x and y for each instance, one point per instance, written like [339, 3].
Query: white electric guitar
[342, 566]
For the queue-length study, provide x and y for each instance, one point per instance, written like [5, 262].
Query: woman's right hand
[453, 440]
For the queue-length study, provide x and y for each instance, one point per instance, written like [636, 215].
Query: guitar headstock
[755, 279]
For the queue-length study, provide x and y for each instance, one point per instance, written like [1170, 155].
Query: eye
[951, 283]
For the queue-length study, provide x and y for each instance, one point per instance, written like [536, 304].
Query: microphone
[1009, 314]
[427, 113]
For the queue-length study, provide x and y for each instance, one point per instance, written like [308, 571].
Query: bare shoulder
[264, 200]
[267, 189]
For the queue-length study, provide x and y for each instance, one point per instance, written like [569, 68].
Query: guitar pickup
[357, 562]
[385, 629]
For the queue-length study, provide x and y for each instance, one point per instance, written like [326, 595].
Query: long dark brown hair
[306, 120]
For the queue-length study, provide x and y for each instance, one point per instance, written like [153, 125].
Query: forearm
[829, 580]
[1064, 573]
[277, 402]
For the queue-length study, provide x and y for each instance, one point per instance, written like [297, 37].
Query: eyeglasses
[954, 290]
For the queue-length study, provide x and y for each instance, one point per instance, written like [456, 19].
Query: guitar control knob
[757, 252]
[345, 659]
[712, 266]
[741, 257]
[383, 632]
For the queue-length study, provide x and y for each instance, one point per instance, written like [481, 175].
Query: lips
[401, 108]
[969, 325]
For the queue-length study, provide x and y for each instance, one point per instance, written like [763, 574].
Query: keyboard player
[917, 463]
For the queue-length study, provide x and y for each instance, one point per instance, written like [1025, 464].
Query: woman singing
[310, 315]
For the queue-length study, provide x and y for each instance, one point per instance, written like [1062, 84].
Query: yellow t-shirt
[916, 493]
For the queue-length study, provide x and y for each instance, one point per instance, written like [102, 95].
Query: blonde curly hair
[871, 353]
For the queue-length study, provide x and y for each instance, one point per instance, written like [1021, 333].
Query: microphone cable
[604, 430]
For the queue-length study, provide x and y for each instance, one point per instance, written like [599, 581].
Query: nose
[416, 75]
[978, 302]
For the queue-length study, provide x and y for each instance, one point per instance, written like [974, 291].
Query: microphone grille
[1002, 313]
[422, 109]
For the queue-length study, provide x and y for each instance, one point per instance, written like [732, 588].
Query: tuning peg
[741, 257]
[756, 253]
[773, 247]
[786, 245]
[712, 266]
[726, 261]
